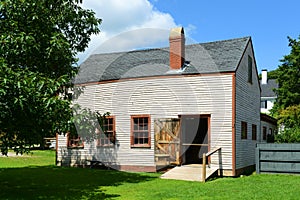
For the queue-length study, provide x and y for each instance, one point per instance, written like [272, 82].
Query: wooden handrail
[204, 161]
[213, 151]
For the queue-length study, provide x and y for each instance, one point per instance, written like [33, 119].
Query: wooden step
[188, 173]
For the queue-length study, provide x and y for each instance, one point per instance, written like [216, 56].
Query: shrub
[288, 135]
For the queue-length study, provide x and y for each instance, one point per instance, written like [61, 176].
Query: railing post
[204, 168]
[220, 162]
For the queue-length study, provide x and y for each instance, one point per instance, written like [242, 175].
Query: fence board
[278, 158]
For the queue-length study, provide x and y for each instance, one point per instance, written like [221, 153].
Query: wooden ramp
[188, 172]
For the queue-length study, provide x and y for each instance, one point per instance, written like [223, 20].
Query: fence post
[257, 152]
[56, 148]
[204, 168]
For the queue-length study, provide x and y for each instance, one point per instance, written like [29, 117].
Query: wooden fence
[278, 158]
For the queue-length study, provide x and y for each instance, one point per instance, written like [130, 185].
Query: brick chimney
[177, 48]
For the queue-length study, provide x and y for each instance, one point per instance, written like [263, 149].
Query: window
[254, 131]
[264, 104]
[244, 130]
[264, 133]
[270, 131]
[108, 134]
[249, 69]
[140, 131]
[74, 141]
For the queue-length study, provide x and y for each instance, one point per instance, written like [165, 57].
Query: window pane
[244, 130]
[144, 127]
[249, 69]
[145, 120]
[141, 141]
[145, 135]
[264, 133]
[146, 140]
[140, 132]
[107, 136]
[254, 131]
[136, 120]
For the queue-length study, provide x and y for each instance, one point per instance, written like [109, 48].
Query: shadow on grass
[62, 183]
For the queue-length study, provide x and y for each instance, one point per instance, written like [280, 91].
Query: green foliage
[39, 42]
[287, 105]
[289, 78]
[290, 118]
[288, 135]
[30, 108]
[45, 36]
[86, 122]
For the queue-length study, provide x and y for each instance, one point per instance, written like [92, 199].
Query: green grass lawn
[36, 177]
[35, 158]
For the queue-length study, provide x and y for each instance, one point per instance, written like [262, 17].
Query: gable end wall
[247, 110]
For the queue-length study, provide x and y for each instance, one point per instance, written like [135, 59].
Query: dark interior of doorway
[194, 138]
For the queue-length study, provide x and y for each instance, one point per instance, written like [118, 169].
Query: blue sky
[267, 22]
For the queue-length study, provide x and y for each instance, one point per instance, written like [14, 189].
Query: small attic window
[185, 65]
[249, 69]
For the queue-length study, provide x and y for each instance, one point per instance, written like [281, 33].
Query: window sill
[141, 146]
[75, 147]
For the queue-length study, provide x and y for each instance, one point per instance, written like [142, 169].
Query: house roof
[267, 118]
[211, 57]
[267, 90]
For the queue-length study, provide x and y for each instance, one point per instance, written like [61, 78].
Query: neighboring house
[268, 127]
[267, 100]
[268, 96]
[170, 105]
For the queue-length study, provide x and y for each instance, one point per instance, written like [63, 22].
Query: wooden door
[167, 141]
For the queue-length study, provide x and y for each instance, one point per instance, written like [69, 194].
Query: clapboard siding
[162, 97]
[247, 110]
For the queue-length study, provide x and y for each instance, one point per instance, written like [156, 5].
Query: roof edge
[165, 48]
[151, 77]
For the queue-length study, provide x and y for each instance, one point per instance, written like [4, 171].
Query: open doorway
[194, 138]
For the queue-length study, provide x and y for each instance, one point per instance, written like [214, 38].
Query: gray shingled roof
[267, 90]
[219, 56]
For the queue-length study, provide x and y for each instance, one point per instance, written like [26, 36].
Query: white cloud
[135, 39]
[127, 25]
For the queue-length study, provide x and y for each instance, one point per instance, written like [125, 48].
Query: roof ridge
[227, 40]
[165, 48]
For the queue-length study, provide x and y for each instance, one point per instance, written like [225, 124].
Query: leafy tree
[287, 105]
[39, 42]
[289, 77]
[290, 119]
[86, 122]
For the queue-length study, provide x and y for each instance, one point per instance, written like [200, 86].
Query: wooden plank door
[167, 141]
